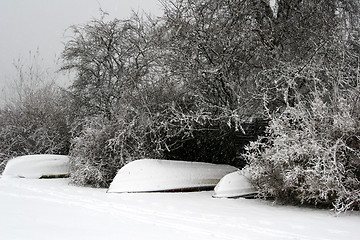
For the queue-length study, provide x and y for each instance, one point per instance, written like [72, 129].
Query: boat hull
[154, 175]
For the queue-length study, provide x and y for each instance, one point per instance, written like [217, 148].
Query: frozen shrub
[92, 160]
[34, 119]
[37, 124]
[104, 146]
[311, 154]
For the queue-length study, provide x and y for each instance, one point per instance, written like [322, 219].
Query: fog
[36, 29]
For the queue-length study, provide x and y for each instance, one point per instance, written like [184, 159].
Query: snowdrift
[38, 166]
[234, 185]
[152, 175]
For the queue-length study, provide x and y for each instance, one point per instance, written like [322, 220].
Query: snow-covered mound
[235, 184]
[37, 166]
[151, 175]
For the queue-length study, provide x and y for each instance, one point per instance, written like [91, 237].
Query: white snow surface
[148, 175]
[36, 166]
[234, 184]
[42, 209]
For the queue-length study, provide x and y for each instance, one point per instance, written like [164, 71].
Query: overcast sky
[30, 25]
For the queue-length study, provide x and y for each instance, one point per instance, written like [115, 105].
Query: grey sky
[28, 25]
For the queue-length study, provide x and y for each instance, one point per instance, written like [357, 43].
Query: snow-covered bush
[36, 124]
[104, 146]
[179, 87]
[311, 153]
[34, 119]
[88, 152]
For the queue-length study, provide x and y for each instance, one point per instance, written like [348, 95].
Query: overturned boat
[154, 175]
[234, 185]
[38, 166]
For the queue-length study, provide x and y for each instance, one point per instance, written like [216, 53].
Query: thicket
[181, 86]
[35, 121]
[129, 104]
[311, 152]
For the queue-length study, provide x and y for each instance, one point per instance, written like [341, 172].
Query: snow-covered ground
[52, 209]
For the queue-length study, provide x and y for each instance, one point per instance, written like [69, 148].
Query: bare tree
[231, 53]
[111, 60]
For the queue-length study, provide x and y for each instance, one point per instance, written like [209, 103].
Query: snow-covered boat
[153, 175]
[38, 166]
[235, 185]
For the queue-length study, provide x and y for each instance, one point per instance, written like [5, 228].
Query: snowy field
[52, 209]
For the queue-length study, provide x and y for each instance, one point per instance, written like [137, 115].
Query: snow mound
[233, 185]
[152, 175]
[37, 166]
